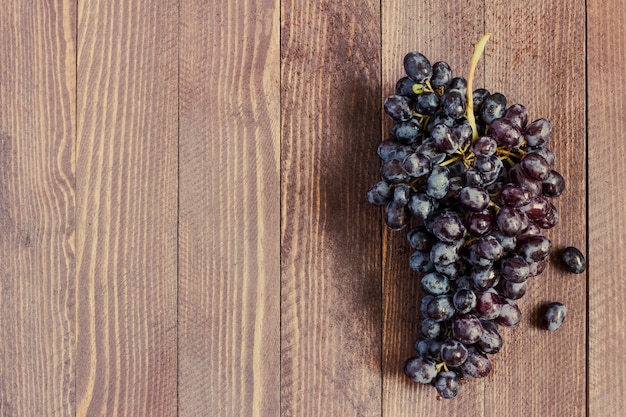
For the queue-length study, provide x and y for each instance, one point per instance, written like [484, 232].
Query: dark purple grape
[474, 198]
[431, 328]
[547, 154]
[477, 364]
[448, 384]
[476, 260]
[442, 75]
[514, 269]
[488, 304]
[554, 185]
[443, 138]
[408, 132]
[420, 261]
[387, 149]
[401, 194]
[534, 248]
[489, 247]
[438, 118]
[518, 115]
[490, 340]
[490, 169]
[535, 268]
[511, 221]
[478, 96]
[538, 133]
[514, 196]
[420, 239]
[398, 107]
[480, 223]
[453, 352]
[506, 133]
[404, 87]
[463, 283]
[440, 308]
[429, 149]
[427, 103]
[493, 108]
[453, 270]
[464, 300]
[454, 189]
[417, 67]
[435, 283]
[512, 290]
[453, 103]
[421, 346]
[447, 227]
[472, 178]
[484, 146]
[535, 166]
[421, 206]
[537, 208]
[508, 242]
[463, 132]
[574, 260]
[434, 348]
[424, 305]
[443, 253]
[416, 165]
[551, 218]
[380, 194]
[458, 83]
[553, 316]
[483, 279]
[438, 182]
[517, 177]
[393, 173]
[396, 216]
[420, 370]
[510, 315]
[531, 230]
[466, 328]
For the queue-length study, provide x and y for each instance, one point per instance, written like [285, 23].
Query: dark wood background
[183, 222]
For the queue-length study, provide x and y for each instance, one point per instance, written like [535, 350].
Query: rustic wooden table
[184, 229]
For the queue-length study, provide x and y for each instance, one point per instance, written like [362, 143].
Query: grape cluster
[474, 193]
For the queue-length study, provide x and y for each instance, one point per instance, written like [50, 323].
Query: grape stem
[478, 52]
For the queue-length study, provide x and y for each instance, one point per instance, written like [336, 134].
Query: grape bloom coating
[470, 177]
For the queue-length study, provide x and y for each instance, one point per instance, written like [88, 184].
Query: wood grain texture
[417, 26]
[37, 259]
[126, 208]
[330, 253]
[229, 317]
[607, 219]
[539, 64]
[183, 223]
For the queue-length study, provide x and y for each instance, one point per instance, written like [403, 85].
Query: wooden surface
[183, 222]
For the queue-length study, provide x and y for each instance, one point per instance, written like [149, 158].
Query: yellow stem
[478, 51]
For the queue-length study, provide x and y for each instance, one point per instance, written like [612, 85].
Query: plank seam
[178, 211]
[380, 230]
[587, 300]
[280, 205]
[75, 163]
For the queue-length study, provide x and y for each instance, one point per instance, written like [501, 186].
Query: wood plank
[607, 219]
[37, 267]
[330, 269]
[417, 26]
[540, 64]
[229, 296]
[126, 199]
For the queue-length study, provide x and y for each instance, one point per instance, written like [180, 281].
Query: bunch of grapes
[474, 191]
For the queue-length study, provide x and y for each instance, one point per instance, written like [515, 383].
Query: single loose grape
[574, 260]
[553, 316]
